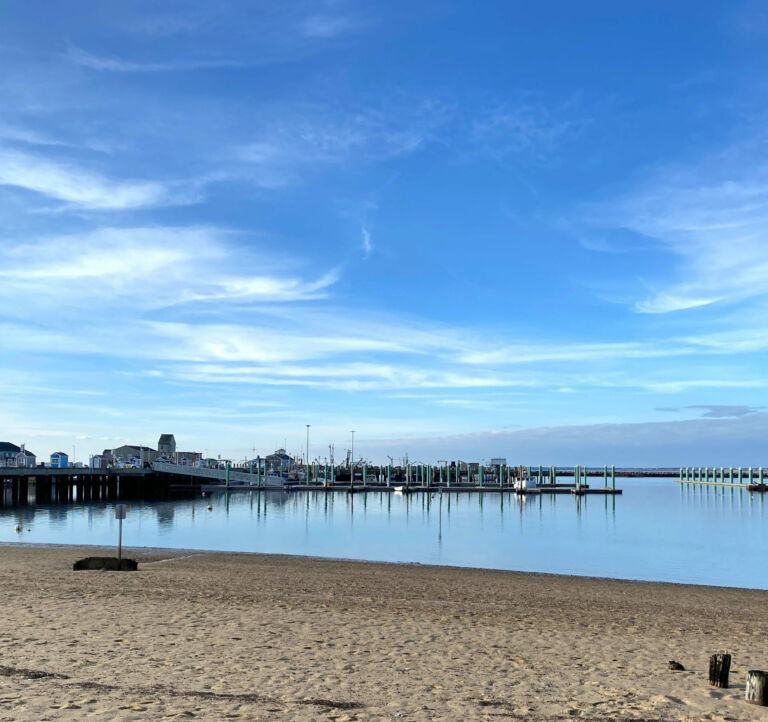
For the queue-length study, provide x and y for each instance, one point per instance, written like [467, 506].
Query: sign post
[120, 515]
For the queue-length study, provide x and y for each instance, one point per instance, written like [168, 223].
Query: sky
[460, 229]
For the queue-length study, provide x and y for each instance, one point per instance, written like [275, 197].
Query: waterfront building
[25, 459]
[129, 453]
[279, 461]
[8, 453]
[59, 460]
[166, 446]
[98, 461]
[187, 457]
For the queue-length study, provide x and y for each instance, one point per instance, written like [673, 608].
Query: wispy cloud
[712, 217]
[119, 65]
[86, 189]
[302, 139]
[529, 125]
[720, 411]
[146, 267]
[330, 26]
[365, 234]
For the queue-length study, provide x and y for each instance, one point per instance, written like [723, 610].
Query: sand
[242, 636]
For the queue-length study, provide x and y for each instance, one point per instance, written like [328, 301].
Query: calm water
[658, 530]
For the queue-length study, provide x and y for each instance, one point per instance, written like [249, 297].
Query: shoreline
[111, 551]
[217, 635]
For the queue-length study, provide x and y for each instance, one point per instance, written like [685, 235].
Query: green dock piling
[613, 478]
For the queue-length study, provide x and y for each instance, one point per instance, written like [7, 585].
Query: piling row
[720, 476]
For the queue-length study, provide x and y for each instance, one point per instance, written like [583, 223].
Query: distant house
[187, 457]
[25, 459]
[98, 461]
[279, 461]
[59, 460]
[16, 456]
[129, 453]
[8, 452]
[166, 446]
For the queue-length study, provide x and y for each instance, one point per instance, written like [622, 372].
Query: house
[25, 459]
[128, 453]
[59, 460]
[8, 453]
[187, 457]
[166, 446]
[98, 461]
[279, 461]
[16, 456]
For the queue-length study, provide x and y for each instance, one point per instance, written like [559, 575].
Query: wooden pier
[163, 480]
[61, 486]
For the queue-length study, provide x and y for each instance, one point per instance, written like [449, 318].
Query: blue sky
[461, 229]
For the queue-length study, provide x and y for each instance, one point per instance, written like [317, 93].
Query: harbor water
[658, 530]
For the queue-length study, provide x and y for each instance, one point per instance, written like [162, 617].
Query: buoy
[210, 508]
[17, 528]
[203, 493]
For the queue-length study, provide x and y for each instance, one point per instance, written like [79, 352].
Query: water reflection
[657, 530]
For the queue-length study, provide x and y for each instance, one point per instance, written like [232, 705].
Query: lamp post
[352, 470]
[306, 475]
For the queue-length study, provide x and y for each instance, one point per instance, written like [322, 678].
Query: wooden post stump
[719, 668]
[757, 688]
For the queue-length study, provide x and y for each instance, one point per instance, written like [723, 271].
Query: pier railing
[221, 475]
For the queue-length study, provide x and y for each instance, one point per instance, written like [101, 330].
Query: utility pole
[353, 450]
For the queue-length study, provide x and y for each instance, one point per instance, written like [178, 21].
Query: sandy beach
[237, 636]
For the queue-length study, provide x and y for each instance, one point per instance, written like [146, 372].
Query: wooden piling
[756, 691]
[719, 669]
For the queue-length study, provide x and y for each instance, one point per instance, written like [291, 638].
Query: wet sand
[242, 636]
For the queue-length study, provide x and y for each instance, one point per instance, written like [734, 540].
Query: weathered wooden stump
[719, 669]
[757, 688]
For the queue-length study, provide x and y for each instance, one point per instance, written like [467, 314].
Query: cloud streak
[711, 217]
[118, 65]
[85, 189]
[144, 268]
